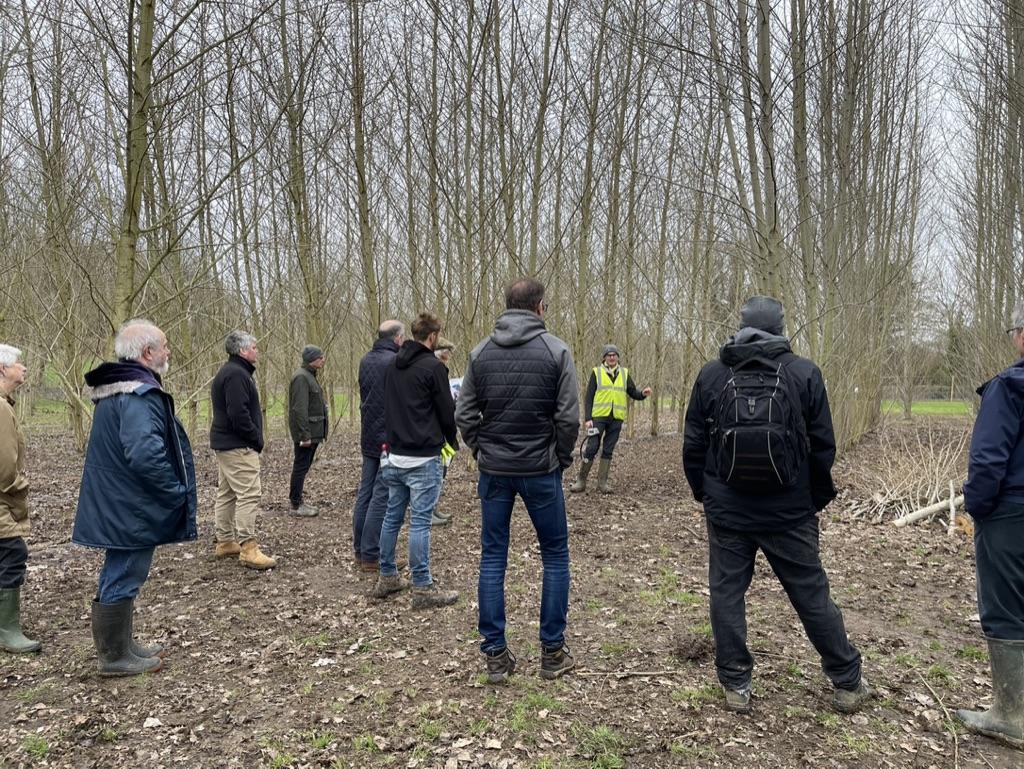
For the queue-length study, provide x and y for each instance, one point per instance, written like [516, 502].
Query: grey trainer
[386, 585]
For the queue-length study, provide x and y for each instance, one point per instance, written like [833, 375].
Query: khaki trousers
[238, 495]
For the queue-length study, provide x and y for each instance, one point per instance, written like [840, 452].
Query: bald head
[391, 329]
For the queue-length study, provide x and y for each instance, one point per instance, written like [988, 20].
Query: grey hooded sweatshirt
[519, 407]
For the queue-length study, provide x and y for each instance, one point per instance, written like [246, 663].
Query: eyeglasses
[1011, 331]
[544, 306]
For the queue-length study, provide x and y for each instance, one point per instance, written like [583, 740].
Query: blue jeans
[123, 574]
[545, 502]
[417, 489]
[368, 513]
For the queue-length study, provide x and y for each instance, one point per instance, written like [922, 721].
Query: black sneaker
[556, 662]
[500, 665]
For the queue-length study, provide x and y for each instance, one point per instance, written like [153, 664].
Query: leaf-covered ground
[297, 667]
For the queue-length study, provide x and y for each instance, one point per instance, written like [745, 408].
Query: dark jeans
[608, 430]
[545, 504]
[794, 557]
[999, 560]
[123, 574]
[300, 466]
[13, 555]
[368, 512]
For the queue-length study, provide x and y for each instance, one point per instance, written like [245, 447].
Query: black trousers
[999, 560]
[13, 555]
[608, 430]
[300, 467]
[794, 557]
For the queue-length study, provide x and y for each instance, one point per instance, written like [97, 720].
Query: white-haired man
[236, 435]
[14, 521]
[138, 488]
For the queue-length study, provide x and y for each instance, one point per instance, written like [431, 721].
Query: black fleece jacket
[419, 413]
[237, 417]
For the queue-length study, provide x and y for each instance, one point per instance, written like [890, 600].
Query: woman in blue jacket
[138, 488]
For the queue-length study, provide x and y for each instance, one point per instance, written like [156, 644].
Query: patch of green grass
[430, 730]
[603, 744]
[46, 693]
[281, 760]
[702, 628]
[908, 660]
[524, 716]
[319, 740]
[364, 743]
[940, 674]
[614, 648]
[930, 408]
[830, 720]
[35, 745]
[794, 671]
[479, 727]
[797, 711]
[973, 653]
[695, 697]
[935, 646]
[855, 743]
[316, 641]
[689, 750]
[107, 734]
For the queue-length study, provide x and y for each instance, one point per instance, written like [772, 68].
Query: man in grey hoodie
[758, 449]
[519, 414]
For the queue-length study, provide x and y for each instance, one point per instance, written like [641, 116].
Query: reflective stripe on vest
[610, 397]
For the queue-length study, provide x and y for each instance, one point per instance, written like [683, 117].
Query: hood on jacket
[1013, 376]
[123, 376]
[410, 351]
[516, 327]
[753, 343]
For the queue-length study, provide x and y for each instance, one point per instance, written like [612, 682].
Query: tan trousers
[238, 495]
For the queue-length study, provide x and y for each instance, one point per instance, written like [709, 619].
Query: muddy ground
[297, 667]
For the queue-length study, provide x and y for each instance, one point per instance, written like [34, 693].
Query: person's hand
[306, 444]
[646, 392]
[590, 423]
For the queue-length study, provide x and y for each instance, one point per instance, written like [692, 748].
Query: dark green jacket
[307, 411]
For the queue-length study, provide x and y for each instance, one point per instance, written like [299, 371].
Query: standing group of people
[758, 451]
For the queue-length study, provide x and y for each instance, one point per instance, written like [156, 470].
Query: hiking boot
[581, 482]
[737, 700]
[850, 700]
[603, 467]
[1004, 721]
[224, 549]
[253, 558]
[439, 520]
[500, 665]
[111, 633]
[367, 566]
[304, 511]
[11, 637]
[432, 597]
[386, 585]
[556, 662]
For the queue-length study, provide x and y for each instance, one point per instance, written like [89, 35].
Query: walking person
[419, 418]
[372, 496]
[518, 412]
[14, 517]
[236, 436]
[758, 449]
[604, 411]
[138, 488]
[307, 423]
[994, 496]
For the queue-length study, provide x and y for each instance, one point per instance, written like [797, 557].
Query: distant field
[930, 408]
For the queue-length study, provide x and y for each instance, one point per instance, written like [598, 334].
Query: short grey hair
[134, 337]
[237, 341]
[390, 329]
[9, 355]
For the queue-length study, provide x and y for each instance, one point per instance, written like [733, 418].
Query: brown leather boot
[253, 558]
[224, 549]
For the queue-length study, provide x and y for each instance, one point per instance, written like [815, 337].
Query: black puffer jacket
[519, 407]
[372, 370]
[237, 418]
[419, 412]
[727, 506]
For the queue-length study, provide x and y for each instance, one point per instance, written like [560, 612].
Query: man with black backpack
[758, 450]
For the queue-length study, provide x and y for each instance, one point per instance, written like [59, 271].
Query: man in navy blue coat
[138, 488]
[994, 496]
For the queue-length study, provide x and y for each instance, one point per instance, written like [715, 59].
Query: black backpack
[761, 437]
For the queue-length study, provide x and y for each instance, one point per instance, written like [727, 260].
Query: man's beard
[162, 369]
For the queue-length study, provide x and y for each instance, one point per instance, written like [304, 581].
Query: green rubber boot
[581, 481]
[11, 637]
[603, 469]
[1004, 721]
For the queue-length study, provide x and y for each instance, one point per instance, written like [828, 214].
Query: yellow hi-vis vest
[610, 397]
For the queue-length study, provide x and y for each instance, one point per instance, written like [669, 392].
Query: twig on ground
[951, 724]
[628, 673]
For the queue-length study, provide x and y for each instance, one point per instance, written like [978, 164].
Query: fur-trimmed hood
[126, 376]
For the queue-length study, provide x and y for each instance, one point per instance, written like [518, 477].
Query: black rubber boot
[11, 637]
[1004, 721]
[153, 650]
[112, 634]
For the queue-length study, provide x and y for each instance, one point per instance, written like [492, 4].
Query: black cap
[765, 313]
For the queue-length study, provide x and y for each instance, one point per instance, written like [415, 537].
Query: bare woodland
[305, 169]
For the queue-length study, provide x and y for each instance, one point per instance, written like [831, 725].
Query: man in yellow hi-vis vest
[605, 411]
